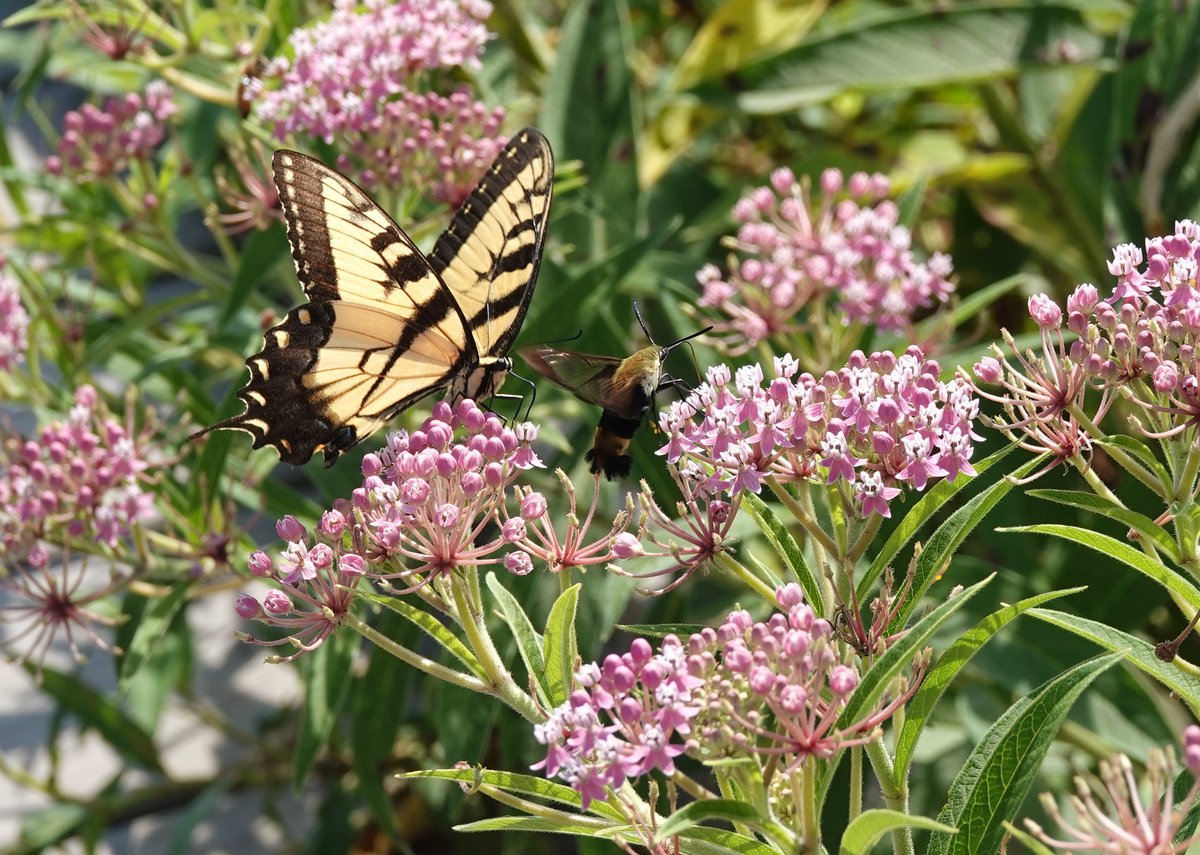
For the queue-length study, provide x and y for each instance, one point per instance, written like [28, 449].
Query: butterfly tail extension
[280, 412]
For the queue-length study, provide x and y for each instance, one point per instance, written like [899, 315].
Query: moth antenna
[642, 323]
[578, 335]
[680, 341]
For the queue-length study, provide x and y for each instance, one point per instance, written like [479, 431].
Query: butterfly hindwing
[381, 328]
[489, 254]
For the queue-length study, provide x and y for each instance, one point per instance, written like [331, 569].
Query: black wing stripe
[504, 216]
[382, 329]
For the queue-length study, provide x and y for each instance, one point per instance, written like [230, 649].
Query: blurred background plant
[825, 180]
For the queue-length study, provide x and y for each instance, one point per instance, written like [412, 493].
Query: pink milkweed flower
[620, 722]
[794, 253]
[81, 480]
[48, 600]
[1141, 341]
[356, 79]
[1125, 816]
[692, 538]
[14, 321]
[541, 540]
[788, 666]
[437, 493]
[101, 141]
[884, 416]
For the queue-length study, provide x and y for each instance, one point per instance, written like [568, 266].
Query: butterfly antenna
[642, 323]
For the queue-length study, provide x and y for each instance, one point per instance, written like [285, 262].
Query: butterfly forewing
[489, 255]
[382, 329]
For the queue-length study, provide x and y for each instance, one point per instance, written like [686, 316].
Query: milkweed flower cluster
[1118, 816]
[101, 141]
[314, 584]
[746, 688]
[46, 598]
[777, 687]
[693, 538]
[791, 252]
[620, 722]
[426, 505]
[14, 321]
[1141, 341]
[82, 479]
[880, 424]
[360, 78]
[426, 134]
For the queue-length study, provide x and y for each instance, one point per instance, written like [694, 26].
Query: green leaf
[262, 252]
[523, 785]
[328, 675]
[529, 641]
[739, 32]
[375, 722]
[1140, 523]
[542, 824]
[153, 625]
[560, 647]
[721, 810]
[1178, 586]
[900, 655]
[593, 66]
[198, 810]
[1137, 652]
[921, 47]
[936, 555]
[972, 306]
[431, 626]
[100, 714]
[44, 828]
[870, 826]
[947, 667]
[786, 546]
[1001, 769]
[920, 513]
[1140, 452]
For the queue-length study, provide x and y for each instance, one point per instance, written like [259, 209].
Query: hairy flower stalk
[366, 80]
[1117, 815]
[806, 267]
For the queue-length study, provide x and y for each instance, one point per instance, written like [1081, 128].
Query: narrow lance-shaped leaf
[786, 547]
[328, 675]
[949, 536]
[1138, 652]
[948, 666]
[529, 641]
[1178, 586]
[561, 646]
[1000, 771]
